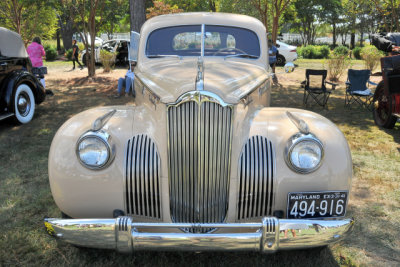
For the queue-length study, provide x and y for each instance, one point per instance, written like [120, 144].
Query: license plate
[316, 204]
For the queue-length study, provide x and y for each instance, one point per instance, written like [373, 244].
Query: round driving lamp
[304, 153]
[94, 150]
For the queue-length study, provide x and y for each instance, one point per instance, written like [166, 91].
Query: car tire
[84, 59]
[23, 104]
[280, 60]
[382, 108]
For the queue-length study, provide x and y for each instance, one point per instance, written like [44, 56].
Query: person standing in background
[75, 54]
[36, 53]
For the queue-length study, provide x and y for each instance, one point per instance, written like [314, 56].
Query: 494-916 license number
[316, 204]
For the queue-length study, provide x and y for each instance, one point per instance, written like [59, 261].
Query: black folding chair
[357, 91]
[318, 92]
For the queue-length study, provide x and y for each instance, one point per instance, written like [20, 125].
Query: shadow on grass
[310, 257]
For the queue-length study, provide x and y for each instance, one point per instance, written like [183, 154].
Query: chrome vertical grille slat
[256, 179]
[142, 195]
[199, 156]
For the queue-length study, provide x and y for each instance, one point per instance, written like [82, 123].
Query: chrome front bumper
[270, 235]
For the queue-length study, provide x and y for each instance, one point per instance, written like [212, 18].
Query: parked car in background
[118, 46]
[20, 87]
[287, 53]
[200, 161]
[97, 41]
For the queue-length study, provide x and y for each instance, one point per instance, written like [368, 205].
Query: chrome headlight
[94, 150]
[304, 153]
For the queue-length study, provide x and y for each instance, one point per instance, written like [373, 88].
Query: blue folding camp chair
[357, 90]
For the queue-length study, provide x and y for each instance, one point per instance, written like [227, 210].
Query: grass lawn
[25, 197]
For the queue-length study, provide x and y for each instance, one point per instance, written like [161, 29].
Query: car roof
[209, 18]
[11, 44]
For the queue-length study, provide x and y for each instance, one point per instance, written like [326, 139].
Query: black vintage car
[20, 87]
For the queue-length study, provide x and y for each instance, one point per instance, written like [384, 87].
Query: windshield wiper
[241, 55]
[158, 56]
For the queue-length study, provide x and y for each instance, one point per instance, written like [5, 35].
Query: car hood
[230, 79]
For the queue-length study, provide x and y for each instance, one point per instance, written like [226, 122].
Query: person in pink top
[36, 52]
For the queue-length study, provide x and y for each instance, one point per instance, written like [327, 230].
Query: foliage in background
[337, 65]
[341, 51]
[107, 59]
[313, 51]
[51, 52]
[356, 52]
[29, 18]
[68, 54]
[194, 5]
[160, 8]
[115, 12]
[371, 56]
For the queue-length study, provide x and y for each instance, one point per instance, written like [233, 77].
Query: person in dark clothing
[75, 54]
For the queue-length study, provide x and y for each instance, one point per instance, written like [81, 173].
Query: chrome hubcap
[23, 104]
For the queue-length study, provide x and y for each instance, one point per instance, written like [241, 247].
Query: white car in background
[287, 53]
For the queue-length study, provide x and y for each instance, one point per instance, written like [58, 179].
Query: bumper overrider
[271, 234]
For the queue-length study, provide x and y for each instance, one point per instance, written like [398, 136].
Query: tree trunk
[352, 40]
[361, 38]
[212, 5]
[66, 30]
[137, 10]
[275, 25]
[334, 35]
[58, 41]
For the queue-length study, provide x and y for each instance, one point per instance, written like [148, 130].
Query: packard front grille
[256, 178]
[200, 138]
[142, 178]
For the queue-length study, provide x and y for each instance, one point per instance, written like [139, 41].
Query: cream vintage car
[200, 162]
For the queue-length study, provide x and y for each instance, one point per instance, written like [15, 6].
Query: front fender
[71, 183]
[18, 77]
[335, 172]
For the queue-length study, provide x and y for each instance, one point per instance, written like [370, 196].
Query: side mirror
[134, 46]
[289, 67]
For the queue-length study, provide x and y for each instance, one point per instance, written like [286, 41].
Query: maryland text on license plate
[316, 204]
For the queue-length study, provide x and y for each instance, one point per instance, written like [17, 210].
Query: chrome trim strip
[269, 235]
[200, 97]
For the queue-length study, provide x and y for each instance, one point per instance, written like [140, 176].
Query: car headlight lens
[305, 153]
[94, 150]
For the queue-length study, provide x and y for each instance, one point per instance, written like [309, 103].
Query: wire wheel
[382, 108]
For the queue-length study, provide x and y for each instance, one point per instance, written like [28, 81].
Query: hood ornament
[200, 63]
[299, 123]
[101, 121]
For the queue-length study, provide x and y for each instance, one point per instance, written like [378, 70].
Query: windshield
[219, 41]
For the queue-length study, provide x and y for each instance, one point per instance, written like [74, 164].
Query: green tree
[333, 15]
[29, 18]
[194, 5]
[113, 15]
[389, 11]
